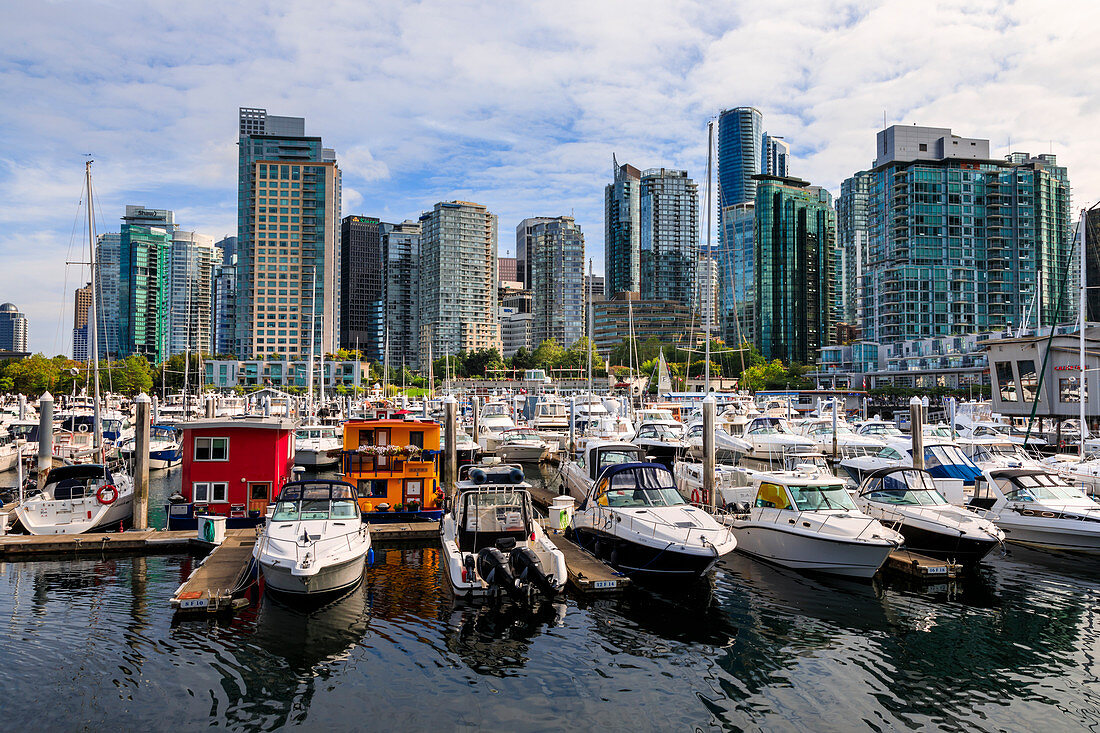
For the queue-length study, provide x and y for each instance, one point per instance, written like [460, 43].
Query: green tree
[548, 355]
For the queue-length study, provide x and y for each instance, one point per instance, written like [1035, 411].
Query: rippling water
[91, 642]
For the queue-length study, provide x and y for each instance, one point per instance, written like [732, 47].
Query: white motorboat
[9, 452]
[907, 499]
[848, 442]
[727, 448]
[165, 449]
[659, 416]
[78, 499]
[942, 458]
[578, 476]
[493, 542]
[772, 439]
[879, 429]
[317, 446]
[551, 415]
[522, 444]
[492, 424]
[806, 521]
[315, 541]
[660, 443]
[1038, 509]
[634, 519]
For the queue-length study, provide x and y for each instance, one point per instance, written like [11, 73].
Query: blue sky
[515, 105]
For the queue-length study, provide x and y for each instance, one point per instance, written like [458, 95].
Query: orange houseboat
[394, 466]
[232, 467]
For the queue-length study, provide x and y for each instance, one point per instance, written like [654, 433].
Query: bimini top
[79, 472]
[880, 472]
[317, 490]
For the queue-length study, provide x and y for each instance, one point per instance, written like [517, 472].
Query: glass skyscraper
[777, 156]
[737, 285]
[739, 155]
[288, 213]
[362, 286]
[668, 236]
[795, 243]
[621, 237]
[852, 210]
[556, 255]
[189, 287]
[145, 251]
[402, 247]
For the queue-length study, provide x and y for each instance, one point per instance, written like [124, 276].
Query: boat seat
[469, 541]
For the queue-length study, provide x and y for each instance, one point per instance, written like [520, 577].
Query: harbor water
[92, 643]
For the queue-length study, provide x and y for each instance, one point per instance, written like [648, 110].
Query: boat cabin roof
[645, 475]
[317, 490]
[797, 478]
[80, 472]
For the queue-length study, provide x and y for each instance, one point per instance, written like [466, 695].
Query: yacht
[522, 444]
[493, 542]
[942, 458]
[848, 442]
[634, 519]
[165, 449]
[78, 499]
[806, 521]
[879, 429]
[659, 416]
[315, 542]
[1038, 509]
[660, 443]
[727, 449]
[772, 438]
[494, 420]
[907, 498]
[9, 452]
[551, 415]
[317, 446]
[578, 476]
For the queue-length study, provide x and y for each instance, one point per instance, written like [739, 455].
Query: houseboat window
[366, 437]
[258, 491]
[210, 492]
[211, 449]
[416, 437]
[374, 488]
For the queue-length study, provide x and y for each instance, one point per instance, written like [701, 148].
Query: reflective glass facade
[557, 286]
[401, 243]
[621, 235]
[736, 260]
[362, 286]
[668, 236]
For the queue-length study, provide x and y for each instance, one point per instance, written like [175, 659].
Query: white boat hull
[329, 579]
[74, 516]
[833, 555]
[524, 453]
[312, 458]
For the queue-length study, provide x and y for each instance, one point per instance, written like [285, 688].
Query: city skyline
[160, 120]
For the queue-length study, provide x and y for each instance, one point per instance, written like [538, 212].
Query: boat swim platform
[920, 566]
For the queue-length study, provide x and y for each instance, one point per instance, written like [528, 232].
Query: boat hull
[330, 579]
[1045, 537]
[84, 518]
[643, 561]
[310, 458]
[835, 556]
[965, 550]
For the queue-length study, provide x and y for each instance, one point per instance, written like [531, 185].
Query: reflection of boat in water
[496, 639]
[308, 637]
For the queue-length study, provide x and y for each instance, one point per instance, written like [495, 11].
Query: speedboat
[942, 458]
[492, 424]
[634, 519]
[848, 442]
[551, 415]
[316, 446]
[772, 439]
[661, 416]
[1038, 509]
[522, 444]
[806, 521]
[165, 449]
[726, 447]
[315, 541]
[78, 499]
[578, 476]
[660, 443]
[907, 498]
[492, 541]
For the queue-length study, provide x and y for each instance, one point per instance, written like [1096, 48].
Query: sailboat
[86, 497]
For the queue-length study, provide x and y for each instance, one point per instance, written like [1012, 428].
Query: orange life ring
[102, 490]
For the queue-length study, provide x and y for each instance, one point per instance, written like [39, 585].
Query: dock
[217, 582]
[98, 543]
[404, 531]
[587, 574]
[921, 566]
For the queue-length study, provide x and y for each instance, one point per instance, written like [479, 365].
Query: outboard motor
[528, 569]
[492, 566]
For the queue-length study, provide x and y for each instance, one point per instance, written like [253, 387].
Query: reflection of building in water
[405, 581]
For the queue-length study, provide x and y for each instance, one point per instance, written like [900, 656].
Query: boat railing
[633, 521]
[822, 522]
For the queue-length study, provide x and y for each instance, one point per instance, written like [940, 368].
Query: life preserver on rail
[695, 496]
[82, 427]
[107, 494]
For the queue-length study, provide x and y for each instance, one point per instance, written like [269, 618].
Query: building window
[211, 449]
[374, 488]
[924, 147]
[1029, 380]
[1005, 382]
[1069, 391]
[206, 492]
[416, 437]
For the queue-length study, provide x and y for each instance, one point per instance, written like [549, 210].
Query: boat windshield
[826, 428]
[906, 488]
[1042, 487]
[641, 487]
[939, 431]
[521, 435]
[945, 455]
[882, 428]
[615, 456]
[770, 426]
[658, 431]
[820, 497]
[299, 502]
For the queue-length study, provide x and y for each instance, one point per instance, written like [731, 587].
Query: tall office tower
[668, 239]
[145, 248]
[524, 250]
[82, 302]
[557, 287]
[737, 284]
[288, 239]
[401, 244]
[739, 155]
[621, 235]
[190, 287]
[852, 210]
[458, 279]
[777, 156]
[13, 329]
[508, 270]
[795, 243]
[108, 269]
[362, 285]
[959, 242]
[1092, 264]
[225, 308]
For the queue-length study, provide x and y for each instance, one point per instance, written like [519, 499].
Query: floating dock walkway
[921, 566]
[221, 578]
[145, 541]
[586, 573]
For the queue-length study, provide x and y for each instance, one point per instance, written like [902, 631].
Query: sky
[518, 106]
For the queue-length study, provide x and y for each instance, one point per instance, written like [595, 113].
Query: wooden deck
[215, 584]
[404, 531]
[921, 566]
[586, 573]
[98, 543]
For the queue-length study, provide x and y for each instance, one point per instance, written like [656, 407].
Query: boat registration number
[937, 570]
[605, 584]
[194, 603]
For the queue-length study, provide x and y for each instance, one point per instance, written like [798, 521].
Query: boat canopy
[317, 499]
[948, 461]
[78, 473]
[637, 485]
[902, 486]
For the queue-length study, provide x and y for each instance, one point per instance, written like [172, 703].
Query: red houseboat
[232, 468]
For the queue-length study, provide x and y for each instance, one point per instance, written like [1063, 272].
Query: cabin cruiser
[659, 416]
[522, 444]
[943, 459]
[848, 442]
[165, 449]
[9, 452]
[997, 453]
[316, 446]
[1083, 472]
[634, 519]
[806, 521]
[772, 438]
[660, 443]
[578, 476]
[493, 542]
[587, 410]
[492, 424]
[78, 499]
[879, 429]
[907, 499]
[315, 541]
[1038, 509]
[550, 415]
[727, 448]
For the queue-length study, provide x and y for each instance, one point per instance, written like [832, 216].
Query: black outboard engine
[492, 566]
[528, 569]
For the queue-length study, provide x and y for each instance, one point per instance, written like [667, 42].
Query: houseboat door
[413, 491]
[382, 437]
[259, 494]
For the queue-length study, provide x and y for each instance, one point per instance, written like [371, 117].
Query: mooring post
[475, 418]
[141, 461]
[45, 437]
[450, 412]
[710, 407]
[916, 430]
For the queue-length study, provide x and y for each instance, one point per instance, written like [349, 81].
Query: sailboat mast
[589, 295]
[312, 344]
[1083, 308]
[708, 297]
[93, 322]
